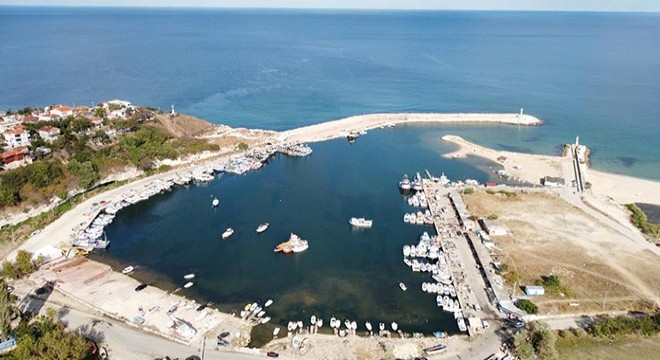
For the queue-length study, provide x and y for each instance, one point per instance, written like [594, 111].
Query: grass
[621, 347]
[639, 219]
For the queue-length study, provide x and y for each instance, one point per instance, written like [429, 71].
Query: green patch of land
[639, 219]
[620, 347]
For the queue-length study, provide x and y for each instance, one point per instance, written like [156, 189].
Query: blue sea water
[592, 74]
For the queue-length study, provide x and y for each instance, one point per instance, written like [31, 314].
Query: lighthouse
[172, 112]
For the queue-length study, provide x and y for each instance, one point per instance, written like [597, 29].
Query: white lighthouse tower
[172, 112]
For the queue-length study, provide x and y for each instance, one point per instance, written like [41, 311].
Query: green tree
[24, 263]
[86, 172]
[9, 270]
[528, 306]
[536, 340]
[7, 309]
[243, 146]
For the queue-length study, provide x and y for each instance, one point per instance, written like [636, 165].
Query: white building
[534, 290]
[61, 111]
[49, 133]
[16, 137]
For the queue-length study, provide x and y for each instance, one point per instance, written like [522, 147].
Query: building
[490, 184]
[493, 228]
[551, 181]
[15, 157]
[16, 137]
[49, 133]
[61, 111]
[534, 290]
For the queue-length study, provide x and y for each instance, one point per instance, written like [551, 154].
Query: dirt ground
[184, 125]
[602, 270]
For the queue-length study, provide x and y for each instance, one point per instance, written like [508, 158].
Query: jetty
[361, 123]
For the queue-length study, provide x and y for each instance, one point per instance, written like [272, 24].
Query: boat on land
[294, 245]
[215, 202]
[229, 232]
[403, 286]
[263, 227]
[435, 349]
[128, 270]
[188, 284]
[361, 222]
[189, 276]
[405, 184]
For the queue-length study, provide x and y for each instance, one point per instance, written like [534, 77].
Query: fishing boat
[229, 232]
[215, 202]
[404, 184]
[360, 222]
[188, 284]
[268, 303]
[128, 270]
[263, 227]
[417, 182]
[294, 245]
[403, 286]
[189, 276]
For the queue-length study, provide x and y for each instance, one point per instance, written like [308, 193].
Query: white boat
[319, 322]
[368, 326]
[417, 182]
[268, 303]
[395, 326]
[313, 320]
[252, 307]
[265, 320]
[229, 232]
[354, 325]
[295, 244]
[215, 202]
[189, 276]
[188, 284]
[347, 323]
[275, 331]
[261, 314]
[361, 222]
[333, 322]
[403, 286]
[263, 227]
[404, 184]
[381, 326]
[128, 270]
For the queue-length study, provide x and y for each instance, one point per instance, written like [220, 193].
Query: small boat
[435, 349]
[361, 222]
[319, 322]
[265, 320]
[333, 322]
[313, 320]
[417, 182]
[381, 326]
[395, 326]
[354, 325]
[252, 307]
[229, 232]
[263, 227]
[368, 326]
[189, 276]
[347, 323]
[403, 286]
[404, 184]
[128, 270]
[261, 314]
[294, 245]
[268, 303]
[275, 331]
[215, 202]
[188, 284]
[247, 307]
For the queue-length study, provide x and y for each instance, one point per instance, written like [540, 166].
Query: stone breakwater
[354, 124]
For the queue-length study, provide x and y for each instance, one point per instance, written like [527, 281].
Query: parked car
[223, 335]
[272, 354]
[140, 287]
[223, 342]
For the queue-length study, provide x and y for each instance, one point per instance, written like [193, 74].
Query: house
[490, 184]
[18, 136]
[15, 157]
[493, 228]
[30, 118]
[61, 111]
[47, 117]
[49, 133]
[534, 290]
[551, 181]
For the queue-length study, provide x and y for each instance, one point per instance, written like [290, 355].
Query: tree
[24, 263]
[86, 172]
[6, 309]
[243, 146]
[8, 270]
[528, 306]
[536, 340]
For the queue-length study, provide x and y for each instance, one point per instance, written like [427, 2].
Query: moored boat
[268, 303]
[229, 232]
[403, 286]
[404, 184]
[189, 276]
[215, 202]
[188, 284]
[294, 245]
[263, 227]
[128, 270]
[360, 222]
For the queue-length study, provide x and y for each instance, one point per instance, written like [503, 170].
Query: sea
[592, 75]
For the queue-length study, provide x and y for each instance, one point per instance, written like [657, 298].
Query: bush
[528, 306]
[23, 265]
[468, 191]
[552, 284]
[624, 325]
[492, 217]
[242, 146]
[578, 332]
[535, 341]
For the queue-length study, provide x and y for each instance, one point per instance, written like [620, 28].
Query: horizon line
[323, 8]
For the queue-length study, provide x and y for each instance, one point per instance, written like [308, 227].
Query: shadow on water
[651, 211]
[345, 273]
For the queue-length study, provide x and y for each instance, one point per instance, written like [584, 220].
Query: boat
[189, 276]
[215, 202]
[268, 303]
[395, 326]
[360, 222]
[252, 307]
[275, 331]
[403, 286]
[261, 314]
[381, 326]
[319, 322]
[461, 324]
[265, 320]
[263, 227]
[294, 245]
[404, 184]
[188, 284]
[229, 232]
[348, 324]
[313, 320]
[333, 322]
[435, 349]
[417, 182]
[128, 270]
[368, 326]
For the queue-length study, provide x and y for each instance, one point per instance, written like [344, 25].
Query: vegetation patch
[535, 341]
[639, 219]
[527, 306]
[553, 285]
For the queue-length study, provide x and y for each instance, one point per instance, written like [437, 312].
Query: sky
[554, 5]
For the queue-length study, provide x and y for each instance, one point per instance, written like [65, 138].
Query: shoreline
[57, 233]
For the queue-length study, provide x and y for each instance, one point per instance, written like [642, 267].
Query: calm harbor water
[347, 273]
[592, 74]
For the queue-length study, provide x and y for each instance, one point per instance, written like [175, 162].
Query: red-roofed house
[49, 133]
[15, 157]
[16, 137]
[61, 111]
